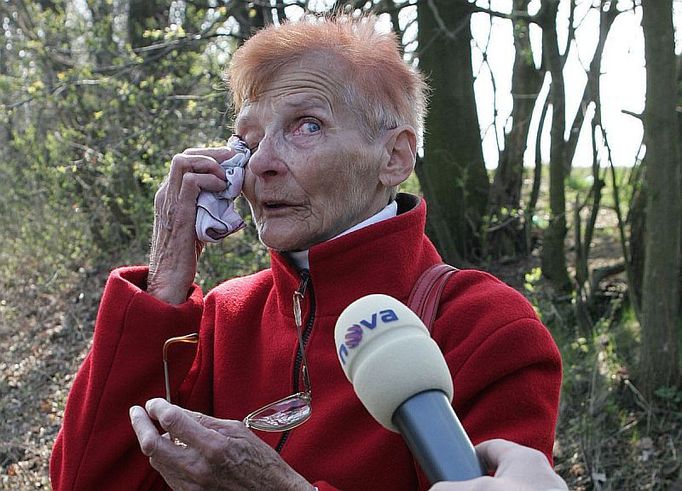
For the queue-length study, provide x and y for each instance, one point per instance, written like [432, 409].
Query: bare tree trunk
[584, 292]
[660, 292]
[679, 154]
[453, 175]
[636, 218]
[526, 84]
[593, 74]
[537, 172]
[679, 150]
[505, 192]
[553, 253]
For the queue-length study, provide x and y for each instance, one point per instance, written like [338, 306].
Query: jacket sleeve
[96, 447]
[506, 367]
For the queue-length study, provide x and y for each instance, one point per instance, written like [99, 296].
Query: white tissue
[216, 216]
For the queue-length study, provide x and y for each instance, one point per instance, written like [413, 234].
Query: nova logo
[354, 333]
[353, 336]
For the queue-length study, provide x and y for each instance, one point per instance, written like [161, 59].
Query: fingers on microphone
[499, 452]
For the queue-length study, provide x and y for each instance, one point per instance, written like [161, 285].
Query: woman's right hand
[175, 249]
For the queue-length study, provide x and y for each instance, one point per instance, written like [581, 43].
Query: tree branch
[639, 116]
[621, 227]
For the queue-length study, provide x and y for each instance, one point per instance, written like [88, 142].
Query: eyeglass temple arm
[190, 339]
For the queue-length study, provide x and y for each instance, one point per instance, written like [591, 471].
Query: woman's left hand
[217, 454]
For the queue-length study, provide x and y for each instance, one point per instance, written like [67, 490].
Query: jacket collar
[386, 257]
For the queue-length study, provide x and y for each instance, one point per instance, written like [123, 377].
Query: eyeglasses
[282, 415]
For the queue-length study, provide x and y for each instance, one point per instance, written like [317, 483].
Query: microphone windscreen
[388, 355]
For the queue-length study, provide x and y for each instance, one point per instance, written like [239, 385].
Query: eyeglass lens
[282, 415]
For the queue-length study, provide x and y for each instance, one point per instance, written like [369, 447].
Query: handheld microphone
[400, 376]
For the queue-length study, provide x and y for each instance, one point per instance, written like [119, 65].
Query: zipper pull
[298, 296]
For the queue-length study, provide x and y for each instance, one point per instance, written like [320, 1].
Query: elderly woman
[330, 114]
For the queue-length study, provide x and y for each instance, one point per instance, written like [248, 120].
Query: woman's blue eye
[310, 127]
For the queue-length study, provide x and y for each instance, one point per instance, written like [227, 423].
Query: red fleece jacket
[505, 365]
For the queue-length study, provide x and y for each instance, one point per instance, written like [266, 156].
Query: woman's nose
[266, 160]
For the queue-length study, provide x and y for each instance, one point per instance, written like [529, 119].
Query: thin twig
[621, 227]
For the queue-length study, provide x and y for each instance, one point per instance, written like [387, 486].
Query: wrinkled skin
[219, 454]
[516, 468]
[175, 249]
[313, 173]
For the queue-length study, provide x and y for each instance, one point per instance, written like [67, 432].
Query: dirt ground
[44, 336]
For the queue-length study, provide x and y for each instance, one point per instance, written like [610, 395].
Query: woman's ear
[401, 148]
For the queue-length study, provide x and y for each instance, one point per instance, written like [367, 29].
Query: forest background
[97, 95]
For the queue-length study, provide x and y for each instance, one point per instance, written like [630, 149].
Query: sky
[623, 80]
[622, 83]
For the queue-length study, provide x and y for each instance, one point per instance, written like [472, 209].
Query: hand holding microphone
[516, 468]
[400, 376]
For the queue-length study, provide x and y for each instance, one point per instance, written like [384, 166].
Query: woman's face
[314, 173]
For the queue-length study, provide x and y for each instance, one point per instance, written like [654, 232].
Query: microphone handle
[436, 438]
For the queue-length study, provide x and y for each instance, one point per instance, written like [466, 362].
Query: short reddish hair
[382, 88]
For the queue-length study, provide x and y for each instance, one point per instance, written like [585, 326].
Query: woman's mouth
[276, 205]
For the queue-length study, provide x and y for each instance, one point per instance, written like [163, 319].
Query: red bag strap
[425, 296]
